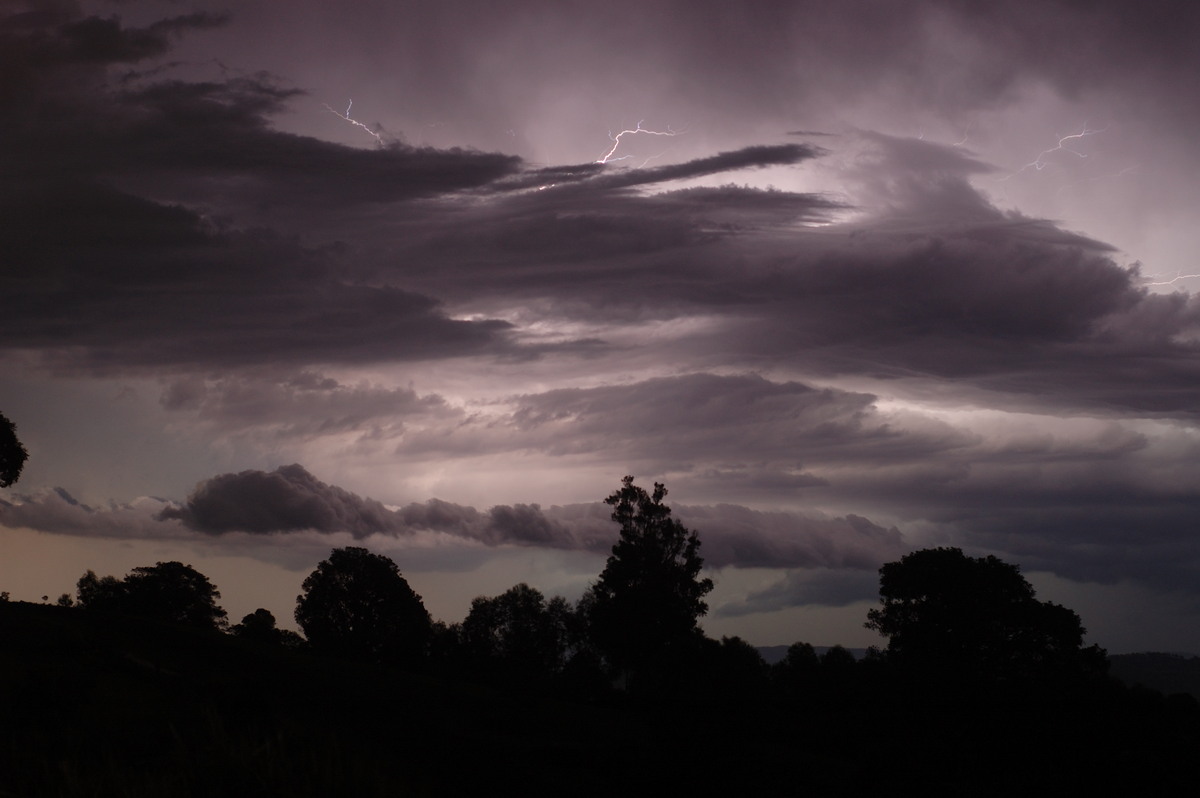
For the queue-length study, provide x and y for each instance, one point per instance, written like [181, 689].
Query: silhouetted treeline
[166, 591]
[982, 689]
[107, 704]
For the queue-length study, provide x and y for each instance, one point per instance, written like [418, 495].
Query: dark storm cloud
[59, 512]
[114, 277]
[214, 143]
[1100, 517]
[576, 252]
[158, 223]
[729, 435]
[525, 524]
[826, 587]
[49, 37]
[1072, 501]
[301, 405]
[601, 177]
[106, 276]
[291, 500]
[736, 535]
[936, 283]
[110, 282]
[754, 157]
[204, 141]
[287, 499]
[722, 419]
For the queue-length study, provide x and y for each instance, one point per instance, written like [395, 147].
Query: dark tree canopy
[649, 596]
[257, 625]
[170, 592]
[105, 593]
[260, 627]
[356, 604]
[12, 453]
[944, 610]
[518, 633]
[736, 669]
[802, 658]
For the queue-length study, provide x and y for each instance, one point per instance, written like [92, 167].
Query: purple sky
[892, 275]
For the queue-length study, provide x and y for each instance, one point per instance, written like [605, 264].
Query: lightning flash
[1039, 163]
[616, 140]
[1174, 279]
[353, 121]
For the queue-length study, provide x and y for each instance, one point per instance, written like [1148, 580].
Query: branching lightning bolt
[378, 137]
[616, 140]
[1039, 163]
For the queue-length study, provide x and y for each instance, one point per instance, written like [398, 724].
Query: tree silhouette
[260, 627]
[942, 610]
[732, 670]
[518, 634]
[170, 592]
[356, 604]
[837, 659]
[106, 593]
[12, 453]
[649, 597]
[802, 658]
[798, 671]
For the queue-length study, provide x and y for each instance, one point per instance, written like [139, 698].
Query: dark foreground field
[98, 705]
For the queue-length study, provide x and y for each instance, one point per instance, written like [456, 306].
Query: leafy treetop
[650, 596]
[356, 604]
[12, 453]
[942, 610]
[170, 592]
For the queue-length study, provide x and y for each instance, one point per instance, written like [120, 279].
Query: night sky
[851, 278]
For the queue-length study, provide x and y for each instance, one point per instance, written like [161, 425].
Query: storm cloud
[889, 275]
[290, 500]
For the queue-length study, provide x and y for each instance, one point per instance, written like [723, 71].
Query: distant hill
[1167, 673]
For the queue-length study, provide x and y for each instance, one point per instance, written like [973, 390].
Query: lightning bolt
[1039, 163]
[353, 121]
[616, 140]
[1174, 279]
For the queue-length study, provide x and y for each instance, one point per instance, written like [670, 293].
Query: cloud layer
[876, 351]
[290, 499]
